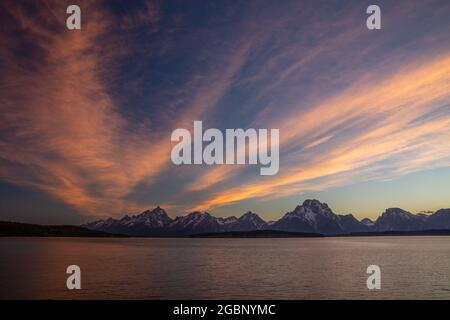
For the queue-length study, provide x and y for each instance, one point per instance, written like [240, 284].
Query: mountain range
[312, 216]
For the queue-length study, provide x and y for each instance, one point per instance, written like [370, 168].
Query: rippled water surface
[326, 268]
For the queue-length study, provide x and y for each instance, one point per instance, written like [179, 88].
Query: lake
[176, 268]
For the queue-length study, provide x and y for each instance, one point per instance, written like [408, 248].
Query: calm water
[332, 268]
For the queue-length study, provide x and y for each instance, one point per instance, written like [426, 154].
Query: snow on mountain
[227, 221]
[195, 222]
[156, 218]
[396, 219]
[248, 221]
[311, 216]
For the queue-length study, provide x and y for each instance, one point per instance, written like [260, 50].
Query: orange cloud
[65, 134]
[399, 100]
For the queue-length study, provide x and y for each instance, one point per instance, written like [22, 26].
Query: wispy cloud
[398, 101]
[61, 130]
[63, 133]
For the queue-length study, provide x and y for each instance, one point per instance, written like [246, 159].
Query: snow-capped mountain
[157, 222]
[311, 216]
[248, 221]
[156, 218]
[227, 222]
[152, 222]
[195, 222]
[396, 219]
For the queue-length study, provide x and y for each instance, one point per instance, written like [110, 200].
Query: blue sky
[364, 116]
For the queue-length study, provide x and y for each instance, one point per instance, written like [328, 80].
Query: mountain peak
[249, 221]
[396, 212]
[399, 220]
[197, 213]
[125, 218]
[249, 215]
[367, 222]
[311, 216]
[311, 203]
[253, 217]
[311, 208]
[395, 209]
[442, 212]
[156, 212]
[348, 215]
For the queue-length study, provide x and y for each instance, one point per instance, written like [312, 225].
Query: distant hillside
[283, 234]
[15, 229]
[444, 232]
[257, 234]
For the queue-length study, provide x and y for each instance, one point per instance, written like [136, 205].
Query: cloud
[62, 132]
[296, 93]
[148, 15]
[400, 99]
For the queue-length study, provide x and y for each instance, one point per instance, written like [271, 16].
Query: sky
[87, 115]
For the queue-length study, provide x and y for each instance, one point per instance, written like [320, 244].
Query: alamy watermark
[74, 280]
[237, 146]
[374, 280]
[73, 22]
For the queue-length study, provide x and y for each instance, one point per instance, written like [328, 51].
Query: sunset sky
[86, 115]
